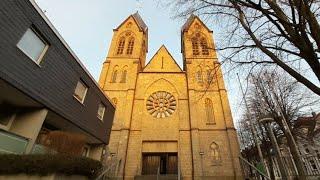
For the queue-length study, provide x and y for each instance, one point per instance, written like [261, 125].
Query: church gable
[194, 22]
[162, 61]
[136, 20]
[128, 24]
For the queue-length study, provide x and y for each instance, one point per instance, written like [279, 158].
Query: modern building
[169, 120]
[43, 85]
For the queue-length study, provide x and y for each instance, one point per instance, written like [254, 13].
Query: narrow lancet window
[199, 75]
[204, 47]
[114, 75]
[209, 111]
[195, 47]
[124, 76]
[121, 44]
[130, 46]
[210, 74]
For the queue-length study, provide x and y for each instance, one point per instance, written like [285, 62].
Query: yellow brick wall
[204, 133]
[186, 131]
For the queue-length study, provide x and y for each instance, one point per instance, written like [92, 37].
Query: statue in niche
[215, 154]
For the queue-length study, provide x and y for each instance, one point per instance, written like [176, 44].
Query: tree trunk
[295, 152]
[272, 176]
[284, 173]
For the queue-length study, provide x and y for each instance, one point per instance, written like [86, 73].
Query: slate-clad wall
[53, 82]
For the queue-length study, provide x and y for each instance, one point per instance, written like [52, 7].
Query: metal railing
[179, 171]
[12, 143]
[109, 170]
[158, 173]
[178, 175]
[250, 171]
[311, 165]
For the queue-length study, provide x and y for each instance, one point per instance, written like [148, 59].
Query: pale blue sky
[86, 25]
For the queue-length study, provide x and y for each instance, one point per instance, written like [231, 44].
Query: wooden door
[167, 163]
[172, 164]
[150, 164]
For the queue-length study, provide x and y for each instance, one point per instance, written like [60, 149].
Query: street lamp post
[267, 122]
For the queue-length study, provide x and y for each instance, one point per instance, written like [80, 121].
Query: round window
[161, 104]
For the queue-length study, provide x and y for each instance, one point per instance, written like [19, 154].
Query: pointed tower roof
[137, 18]
[162, 61]
[187, 25]
[189, 21]
[139, 22]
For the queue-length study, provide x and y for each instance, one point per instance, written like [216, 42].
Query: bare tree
[272, 92]
[281, 32]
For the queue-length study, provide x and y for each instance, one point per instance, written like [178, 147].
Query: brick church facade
[169, 120]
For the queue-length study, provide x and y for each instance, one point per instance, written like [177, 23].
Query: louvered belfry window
[121, 44]
[204, 47]
[130, 46]
[195, 47]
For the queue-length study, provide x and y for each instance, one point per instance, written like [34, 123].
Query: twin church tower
[169, 120]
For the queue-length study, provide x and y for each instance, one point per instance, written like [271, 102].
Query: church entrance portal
[166, 162]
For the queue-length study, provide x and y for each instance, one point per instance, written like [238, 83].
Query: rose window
[161, 104]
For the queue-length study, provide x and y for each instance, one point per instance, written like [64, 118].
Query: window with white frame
[6, 118]
[33, 45]
[80, 91]
[85, 151]
[101, 110]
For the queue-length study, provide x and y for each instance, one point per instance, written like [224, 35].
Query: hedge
[44, 164]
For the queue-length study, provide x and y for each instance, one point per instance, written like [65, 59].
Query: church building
[168, 120]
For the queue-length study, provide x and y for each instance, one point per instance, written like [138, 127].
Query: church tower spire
[128, 48]
[130, 40]
[196, 41]
[210, 113]
[125, 59]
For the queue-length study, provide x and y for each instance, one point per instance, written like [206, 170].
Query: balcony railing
[12, 143]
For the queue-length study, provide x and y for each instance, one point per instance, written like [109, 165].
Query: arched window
[215, 153]
[209, 74]
[195, 46]
[114, 75]
[199, 75]
[121, 44]
[124, 75]
[204, 47]
[209, 111]
[130, 46]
